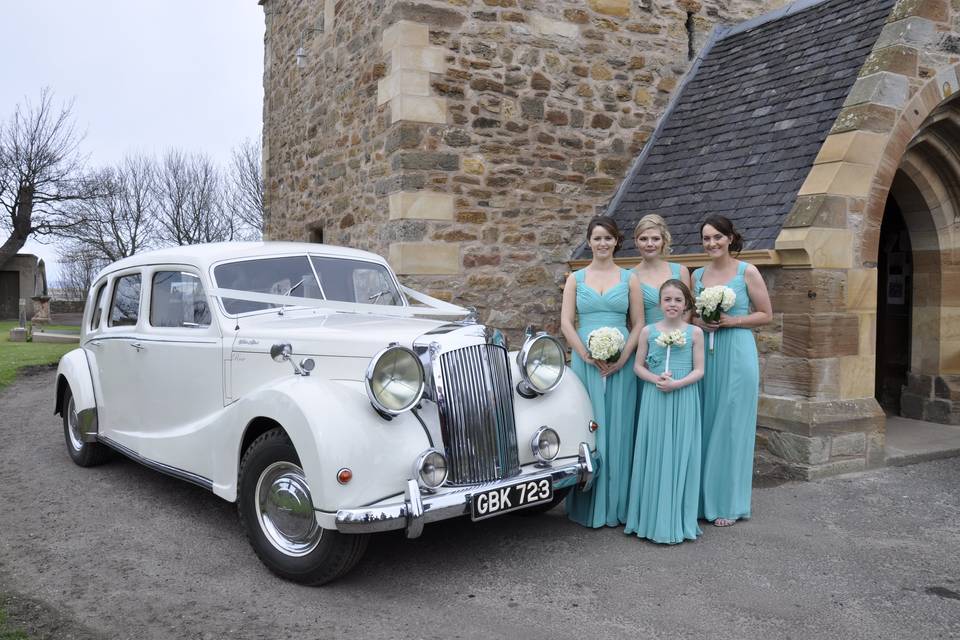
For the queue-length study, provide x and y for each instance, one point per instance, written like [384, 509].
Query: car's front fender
[332, 426]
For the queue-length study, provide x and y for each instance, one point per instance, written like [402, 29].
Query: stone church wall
[468, 140]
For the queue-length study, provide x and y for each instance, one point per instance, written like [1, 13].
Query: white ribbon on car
[434, 307]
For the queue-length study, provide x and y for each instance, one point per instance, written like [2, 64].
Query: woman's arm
[568, 319]
[636, 323]
[762, 309]
[685, 279]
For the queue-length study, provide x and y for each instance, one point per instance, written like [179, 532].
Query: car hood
[330, 334]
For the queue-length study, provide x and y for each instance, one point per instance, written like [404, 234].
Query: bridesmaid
[594, 297]
[730, 387]
[665, 484]
[652, 239]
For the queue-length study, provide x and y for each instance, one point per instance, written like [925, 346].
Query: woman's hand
[610, 368]
[665, 382]
[729, 322]
[706, 326]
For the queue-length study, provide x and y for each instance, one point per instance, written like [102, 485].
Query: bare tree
[78, 266]
[40, 170]
[190, 197]
[246, 185]
[121, 219]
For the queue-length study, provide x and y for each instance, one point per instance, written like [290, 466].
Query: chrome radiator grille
[476, 414]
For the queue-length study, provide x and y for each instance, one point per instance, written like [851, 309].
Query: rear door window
[125, 306]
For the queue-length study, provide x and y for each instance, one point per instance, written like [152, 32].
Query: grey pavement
[120, 551]
[911, 441]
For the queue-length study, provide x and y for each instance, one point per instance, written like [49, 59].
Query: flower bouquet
[605, 344]
[674, 338]
[712, 301]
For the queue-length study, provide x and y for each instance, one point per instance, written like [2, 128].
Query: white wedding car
[305, 383]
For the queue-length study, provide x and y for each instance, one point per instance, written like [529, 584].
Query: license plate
[493, 502]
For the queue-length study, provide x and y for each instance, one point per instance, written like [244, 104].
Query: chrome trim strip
[158, 466]
[417, 509]
[88, 424]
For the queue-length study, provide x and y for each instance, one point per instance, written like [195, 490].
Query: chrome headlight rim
[422, 461]
[368, 381]
[535, 445]
[524, 354]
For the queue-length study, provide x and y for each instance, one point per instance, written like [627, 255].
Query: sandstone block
[405, 33]
[836, 468]
[425, 161]
[840, 178]
[862, 289]
[618, 8]
[800, 378]
[866, 117]
[848, 444]
[425, 258]
[818, 211]
[542, 26]
[797, 448]
[413, 83]
[913, 31]
[431, 59]
[404, 108]
[935, 10]
[421, 205]
[821, 335]
[818, 247]
[889, 89]
[857, 147]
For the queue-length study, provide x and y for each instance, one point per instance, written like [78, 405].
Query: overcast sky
[144, 75]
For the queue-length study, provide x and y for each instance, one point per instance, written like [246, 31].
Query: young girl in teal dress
[665, 482]
[731, 382]
[595, 297]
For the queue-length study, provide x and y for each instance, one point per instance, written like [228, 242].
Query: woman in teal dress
[665, 483]
[652, 241]
[731, 382]
[595, 297]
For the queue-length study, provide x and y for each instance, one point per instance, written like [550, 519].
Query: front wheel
[85, 454]
[276, 510]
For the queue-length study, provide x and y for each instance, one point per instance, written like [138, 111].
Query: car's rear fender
[74, 371]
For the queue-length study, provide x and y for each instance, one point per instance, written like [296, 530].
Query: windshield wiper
[288, 292]
[375, 298]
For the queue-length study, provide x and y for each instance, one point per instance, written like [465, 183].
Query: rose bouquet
[712, 301]
[674, 338]
[605, 344]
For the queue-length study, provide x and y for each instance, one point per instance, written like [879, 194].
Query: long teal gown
[730, 389]
[613, 403]
[651, 298]
[665, 483]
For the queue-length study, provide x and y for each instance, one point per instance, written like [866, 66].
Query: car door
[182, 363]
[116, 348]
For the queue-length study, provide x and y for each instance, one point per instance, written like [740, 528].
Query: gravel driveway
[120, 551]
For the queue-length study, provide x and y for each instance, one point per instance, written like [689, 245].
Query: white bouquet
[674, 338]
[712, 301]
[605, 344]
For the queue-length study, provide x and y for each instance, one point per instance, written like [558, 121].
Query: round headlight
[545, 444]
[395, 380]
[431, 469]
[541, 362]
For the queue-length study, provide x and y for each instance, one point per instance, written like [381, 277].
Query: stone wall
[469, 140]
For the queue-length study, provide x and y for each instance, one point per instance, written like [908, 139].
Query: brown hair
[684, 289]
[654, 221]
[610, 225]
[724, 226]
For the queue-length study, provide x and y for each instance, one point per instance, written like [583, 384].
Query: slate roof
[746, 126]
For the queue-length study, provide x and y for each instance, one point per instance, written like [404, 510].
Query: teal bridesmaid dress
[613, 403]
[665, 483]
[651, 298]
[730, 390]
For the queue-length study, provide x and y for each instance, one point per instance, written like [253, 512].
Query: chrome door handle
[137, 346]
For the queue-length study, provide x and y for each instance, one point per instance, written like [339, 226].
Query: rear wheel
[85, 454]
[276, 510]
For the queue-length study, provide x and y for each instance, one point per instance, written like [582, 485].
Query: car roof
[203, 256]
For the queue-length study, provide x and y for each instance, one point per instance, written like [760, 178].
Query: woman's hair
[684, 289]
[654, 221]
[607, 223]
[724, 226]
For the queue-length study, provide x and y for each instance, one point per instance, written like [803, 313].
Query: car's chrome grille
[476, 414]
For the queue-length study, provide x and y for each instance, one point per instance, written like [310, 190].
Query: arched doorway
[918, 343]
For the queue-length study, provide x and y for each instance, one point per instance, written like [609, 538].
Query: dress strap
[675, 270]
[625, 274]
[742, 268]
[580, 275]
[697, 274]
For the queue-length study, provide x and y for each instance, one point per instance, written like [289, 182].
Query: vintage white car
[305, 383]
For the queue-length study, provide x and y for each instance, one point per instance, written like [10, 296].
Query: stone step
[912, 441]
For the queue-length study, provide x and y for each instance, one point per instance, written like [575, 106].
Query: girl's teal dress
[730, 389]
[665, 484]
[651, 298]
[613, 407]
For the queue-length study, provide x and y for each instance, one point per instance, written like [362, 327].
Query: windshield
[339, 279]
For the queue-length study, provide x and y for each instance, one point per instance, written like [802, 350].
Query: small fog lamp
[431, 469]
[545, 444]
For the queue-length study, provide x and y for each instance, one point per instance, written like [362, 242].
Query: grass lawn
[7, 632]
[14, 355]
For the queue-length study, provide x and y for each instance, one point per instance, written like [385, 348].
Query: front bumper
[416, 509]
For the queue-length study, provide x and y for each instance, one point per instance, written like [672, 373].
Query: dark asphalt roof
[749, 121]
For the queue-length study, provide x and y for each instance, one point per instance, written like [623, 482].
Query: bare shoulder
[697, 331]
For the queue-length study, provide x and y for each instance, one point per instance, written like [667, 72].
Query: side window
[97, 311]
[125, 306]
[177, 300]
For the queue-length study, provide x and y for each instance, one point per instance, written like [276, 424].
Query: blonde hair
[654, 221]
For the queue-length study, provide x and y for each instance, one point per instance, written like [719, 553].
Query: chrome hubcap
[285, 509]
[73, 426]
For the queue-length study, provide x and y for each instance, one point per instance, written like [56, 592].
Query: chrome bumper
[418, 508]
